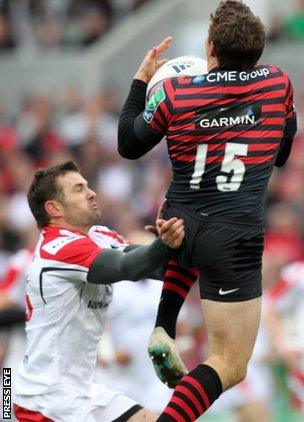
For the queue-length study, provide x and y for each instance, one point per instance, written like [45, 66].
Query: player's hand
[171, 231]
[153, 229]
[152, 61]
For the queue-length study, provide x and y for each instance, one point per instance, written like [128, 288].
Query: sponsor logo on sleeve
[55, 245]
[152, 105]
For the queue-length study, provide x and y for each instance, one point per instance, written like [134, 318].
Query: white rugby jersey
[65, 314]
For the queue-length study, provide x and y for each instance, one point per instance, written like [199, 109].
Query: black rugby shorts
[226, 251]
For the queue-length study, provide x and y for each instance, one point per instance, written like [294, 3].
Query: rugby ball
[183, 65]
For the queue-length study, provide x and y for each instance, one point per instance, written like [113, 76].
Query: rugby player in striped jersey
[225, 132]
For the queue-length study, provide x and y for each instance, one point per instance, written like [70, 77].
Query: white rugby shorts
[62, 405]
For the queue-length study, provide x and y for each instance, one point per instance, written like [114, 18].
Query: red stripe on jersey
[156, 126]
[9, 278]
[218, 159]
[262, 147]
[250, 160]
[169, 90]
[200, 102]
[220, 147]
[226, 135]
[273, 121]
[26, 415]
[272, 107]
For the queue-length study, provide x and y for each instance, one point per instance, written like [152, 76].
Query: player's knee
[236, 374]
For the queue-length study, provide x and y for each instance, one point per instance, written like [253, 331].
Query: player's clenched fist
[171, 231]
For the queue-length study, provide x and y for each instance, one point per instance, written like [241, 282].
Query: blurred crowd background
[43, 129]
[59, 23]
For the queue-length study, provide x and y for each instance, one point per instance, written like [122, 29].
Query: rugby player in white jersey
[67, 294]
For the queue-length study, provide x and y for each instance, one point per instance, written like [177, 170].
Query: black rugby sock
[193, 396]
[177, 284]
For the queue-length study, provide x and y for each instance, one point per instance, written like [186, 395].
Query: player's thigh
[143, 415]
[232, 328]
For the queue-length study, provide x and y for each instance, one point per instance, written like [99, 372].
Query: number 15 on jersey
[229, 165]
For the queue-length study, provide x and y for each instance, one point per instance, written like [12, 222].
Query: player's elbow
[127, 152]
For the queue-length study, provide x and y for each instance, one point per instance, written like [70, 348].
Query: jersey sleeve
[290, 129]
[289, 101]
[152, 124]
[80, 251]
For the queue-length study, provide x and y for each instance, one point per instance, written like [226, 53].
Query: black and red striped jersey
[223, 131]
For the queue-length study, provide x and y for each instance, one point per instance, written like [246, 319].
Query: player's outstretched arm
[111, 266]
[130, 146]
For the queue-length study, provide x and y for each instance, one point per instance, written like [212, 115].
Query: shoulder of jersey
[175, 80]
[53, 244]
[104, 231]
[275, 70]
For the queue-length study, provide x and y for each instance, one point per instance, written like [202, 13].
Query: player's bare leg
[143, 415]
[232, 329]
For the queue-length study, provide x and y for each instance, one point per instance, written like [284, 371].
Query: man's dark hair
[44, 187]
[237, 34]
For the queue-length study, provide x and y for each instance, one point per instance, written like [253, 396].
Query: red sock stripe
[192, 272]
[179, 277]
[194, 400]
[177, 289]
[171, 262]
[174, 414]
[181, 403]
[192, 381]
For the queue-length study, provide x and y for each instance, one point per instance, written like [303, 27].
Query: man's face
[78, 202]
